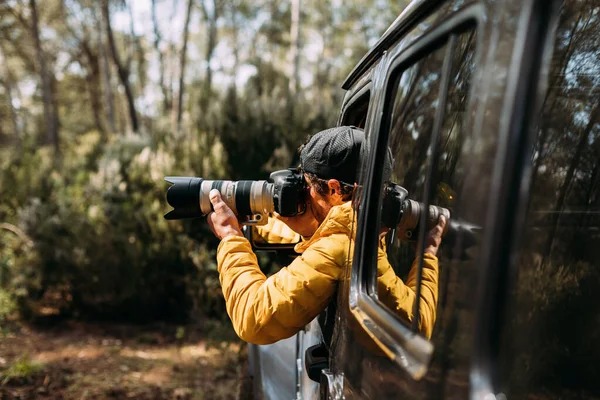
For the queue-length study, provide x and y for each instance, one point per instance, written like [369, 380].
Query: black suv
[491, 109]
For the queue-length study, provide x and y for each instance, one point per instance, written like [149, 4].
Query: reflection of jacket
[275, 231]
[400, 297]
[264, 310]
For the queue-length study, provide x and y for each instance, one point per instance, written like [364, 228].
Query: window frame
[411, 350]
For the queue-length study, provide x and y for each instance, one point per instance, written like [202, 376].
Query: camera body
[404, 215]
[289, 192]
[284, 193]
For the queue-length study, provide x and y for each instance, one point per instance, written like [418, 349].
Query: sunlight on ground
[83, 364]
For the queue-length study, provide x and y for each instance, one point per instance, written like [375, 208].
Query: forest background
[100, 100]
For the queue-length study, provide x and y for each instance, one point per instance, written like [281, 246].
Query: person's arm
[400, 297]
[264, 310]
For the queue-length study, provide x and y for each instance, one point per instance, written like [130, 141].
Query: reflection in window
[416, 101]
[558, 279]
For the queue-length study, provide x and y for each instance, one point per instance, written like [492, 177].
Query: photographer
[264, 310]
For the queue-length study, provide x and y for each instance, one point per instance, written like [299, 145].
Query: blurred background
[100, 297]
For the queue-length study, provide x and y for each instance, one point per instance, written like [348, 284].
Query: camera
[404, 214]
[284, 193]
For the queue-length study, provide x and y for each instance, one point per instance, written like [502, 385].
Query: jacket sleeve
[264, 310]
[400, 297]
[275, 231]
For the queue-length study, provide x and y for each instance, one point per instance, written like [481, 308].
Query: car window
[356, 113]
[426, 164]
[550, 347]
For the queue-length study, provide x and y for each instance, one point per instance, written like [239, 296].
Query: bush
[90, 235]
[7, 305]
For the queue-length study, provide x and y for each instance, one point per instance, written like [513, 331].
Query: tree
[7, 83]
[122, 70]
[295, 47]
[50, 112]
[165, 90]
[178, 107]
[211, 18]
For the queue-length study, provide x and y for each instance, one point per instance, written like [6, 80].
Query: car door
[455, 91]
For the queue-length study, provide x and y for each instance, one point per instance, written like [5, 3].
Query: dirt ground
[76, 360]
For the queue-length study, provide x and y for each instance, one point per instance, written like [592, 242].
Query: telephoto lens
[189, 197]
[286, 194]
[411, 217]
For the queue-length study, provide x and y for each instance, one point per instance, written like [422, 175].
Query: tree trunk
[93, 84]
[210, 48]
[104, 67]
[50, 115]
[295, 48]
[8, 88]
[178, 109]
[137, 53]
[233, 13]
[122, 71]
[161, 60]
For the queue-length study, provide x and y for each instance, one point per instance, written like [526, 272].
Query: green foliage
[98, 233]
[21, 370]
[81, 221]
[7, 305]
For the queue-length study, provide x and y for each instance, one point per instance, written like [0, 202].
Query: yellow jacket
[264, 310]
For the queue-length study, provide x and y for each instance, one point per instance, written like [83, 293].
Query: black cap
[333, 153]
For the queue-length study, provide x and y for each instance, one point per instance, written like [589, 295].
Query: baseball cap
[333, 153]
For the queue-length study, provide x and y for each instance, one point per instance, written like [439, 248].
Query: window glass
[411, 144]
[557, 288]
[356, 114]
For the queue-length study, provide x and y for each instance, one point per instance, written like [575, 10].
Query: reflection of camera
[284, 193]
[401, 213]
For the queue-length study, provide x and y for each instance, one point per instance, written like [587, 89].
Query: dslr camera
[284, 193]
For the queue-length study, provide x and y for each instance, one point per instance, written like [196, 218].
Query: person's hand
[305, 224]
[434, 236]
[222, 221]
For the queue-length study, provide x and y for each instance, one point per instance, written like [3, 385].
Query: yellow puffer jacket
[264, 310]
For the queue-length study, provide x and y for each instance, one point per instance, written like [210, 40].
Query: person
[265, 310]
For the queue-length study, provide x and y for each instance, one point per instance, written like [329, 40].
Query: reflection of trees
[452, 130]
[410, 136]
[564, 158]
[413, 117]
[412, 124]
[414, 114]
[583, 140]
[556, 291]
